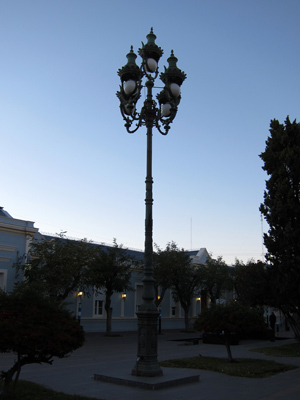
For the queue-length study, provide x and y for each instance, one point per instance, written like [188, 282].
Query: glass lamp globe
[166, 110]
[151, 65]
[129, 87]
[175, 89]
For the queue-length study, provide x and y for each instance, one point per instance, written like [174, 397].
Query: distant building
[15, 238]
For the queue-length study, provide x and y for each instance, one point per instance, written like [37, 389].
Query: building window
[3, 275]
[98, 307]
[173, 311]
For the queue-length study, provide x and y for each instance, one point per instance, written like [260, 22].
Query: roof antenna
[191, 232]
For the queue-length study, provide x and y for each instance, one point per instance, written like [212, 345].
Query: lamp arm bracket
[130, 120]
[165, 122]
[165, 132]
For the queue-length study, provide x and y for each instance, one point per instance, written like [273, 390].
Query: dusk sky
[67, 161]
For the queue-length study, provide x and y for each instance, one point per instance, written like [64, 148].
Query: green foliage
[60, 264]
[229, 318]
[111, 268]
[281, 206]
[250, 282]
[215, 277]
[164, 261]
[185, 283]
[35, 325]
[61, 267]
[183, 277]
[173, 270]
[281, 209]
[243, 367]
[36, 329]
[110, 271]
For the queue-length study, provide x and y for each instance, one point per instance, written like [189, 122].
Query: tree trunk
[5, 388]
[186, 318]
[227, 344]
[108, 320]
[17, 376]
[7, 379]
[108, 310]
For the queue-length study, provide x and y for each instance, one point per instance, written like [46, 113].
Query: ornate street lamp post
[150, 115]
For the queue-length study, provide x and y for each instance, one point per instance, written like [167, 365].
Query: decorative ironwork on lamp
[131, 84]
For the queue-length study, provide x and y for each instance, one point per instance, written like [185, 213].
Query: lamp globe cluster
[131, 76]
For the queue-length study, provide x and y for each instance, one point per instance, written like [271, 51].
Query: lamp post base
[147, 364]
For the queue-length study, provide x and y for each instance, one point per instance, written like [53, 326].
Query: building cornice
[11, 228]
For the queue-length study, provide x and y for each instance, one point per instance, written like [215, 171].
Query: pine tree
[281, 209]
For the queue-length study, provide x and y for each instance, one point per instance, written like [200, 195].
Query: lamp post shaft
[149, 293]
[147, 364]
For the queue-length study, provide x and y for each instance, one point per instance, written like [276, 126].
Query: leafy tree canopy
[183, 277]
[110, 271]
[250, 282]
[36, 329]
[215, 277]
[229, 318]
[60, 264]
[164, 263]
[111, 267]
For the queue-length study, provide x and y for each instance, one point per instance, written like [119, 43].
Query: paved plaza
[116, 356]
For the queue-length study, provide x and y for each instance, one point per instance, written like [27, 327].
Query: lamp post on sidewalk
[79, 305]
[161, 117]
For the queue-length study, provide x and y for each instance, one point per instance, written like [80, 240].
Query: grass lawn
[287, 350]
[243, 367]
[31, 391]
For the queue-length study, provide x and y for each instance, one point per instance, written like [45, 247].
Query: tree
[36, 329]
[281, 209]
[110, 271]
[250, 282]
[164, 261]
[230, 318]
[60, 264]
[184, 278]
[215, 278]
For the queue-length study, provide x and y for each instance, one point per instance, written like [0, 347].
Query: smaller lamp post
[79, 294]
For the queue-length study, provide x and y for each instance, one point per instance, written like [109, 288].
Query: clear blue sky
[67, 162]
